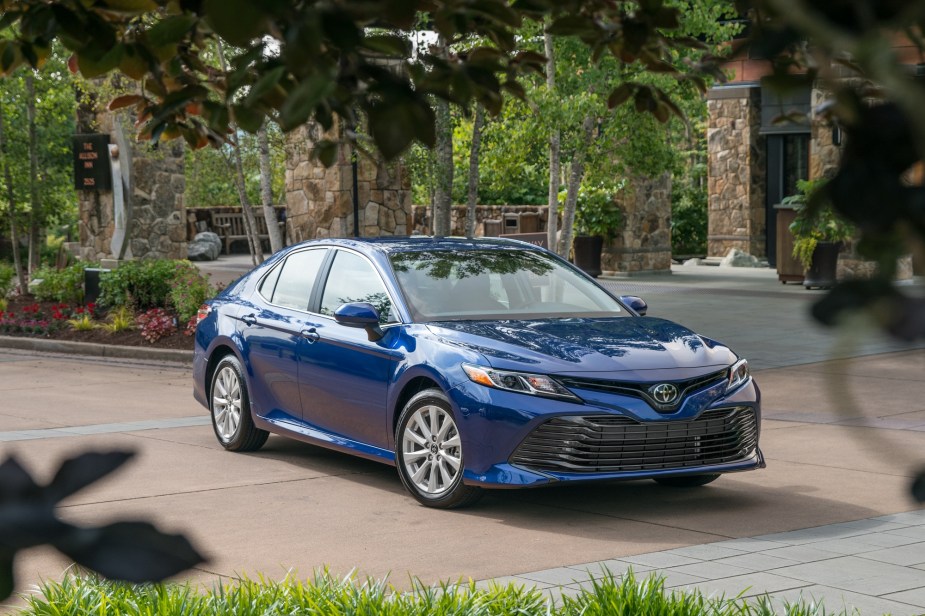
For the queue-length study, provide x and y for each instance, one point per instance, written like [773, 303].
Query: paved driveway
[295, 506]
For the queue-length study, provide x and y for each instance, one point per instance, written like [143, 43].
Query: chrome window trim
[283, 264]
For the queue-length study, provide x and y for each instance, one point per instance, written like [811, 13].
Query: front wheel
[231, 414]
[687, 481]
[429, 455]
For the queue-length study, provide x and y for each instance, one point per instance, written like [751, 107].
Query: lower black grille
[615, 443]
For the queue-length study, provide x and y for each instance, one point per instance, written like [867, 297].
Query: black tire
[240, 435]
[446, 489]
[687, 481]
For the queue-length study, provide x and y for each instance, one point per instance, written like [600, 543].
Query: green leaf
[170, 30]
[388, 44]
[302, 100]
[91, 67]
[264, 85]
[237, 21]
[571, 25]
[247, 118]
[131, 6]
[326, 151]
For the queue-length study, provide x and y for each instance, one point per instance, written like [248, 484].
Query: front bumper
[494, 423]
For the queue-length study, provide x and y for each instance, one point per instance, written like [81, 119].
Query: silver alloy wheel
[431, 450]
[226, 403]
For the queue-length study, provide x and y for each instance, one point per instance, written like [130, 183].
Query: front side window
[353, 279]
[293, 288]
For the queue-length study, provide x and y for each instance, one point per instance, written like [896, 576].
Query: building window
[796, 162]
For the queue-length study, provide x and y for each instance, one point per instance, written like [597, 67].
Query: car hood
[582, 345]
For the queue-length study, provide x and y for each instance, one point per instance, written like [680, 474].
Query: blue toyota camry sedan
[469, 364]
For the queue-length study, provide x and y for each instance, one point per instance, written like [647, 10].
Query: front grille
[641, 390]
[616, 443]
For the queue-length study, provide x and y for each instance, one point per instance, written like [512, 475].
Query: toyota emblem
[664, 393]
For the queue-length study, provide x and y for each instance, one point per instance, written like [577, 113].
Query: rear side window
[294, 283]
[353, 279]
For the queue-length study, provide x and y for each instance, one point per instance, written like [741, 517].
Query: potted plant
[818, 233]
[597, 219]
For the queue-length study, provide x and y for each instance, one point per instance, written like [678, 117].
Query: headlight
[525, 383]
[738, 375]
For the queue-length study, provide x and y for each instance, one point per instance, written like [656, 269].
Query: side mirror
[361, 315]
[636, 303]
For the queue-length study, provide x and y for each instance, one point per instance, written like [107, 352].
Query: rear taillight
[203, 312]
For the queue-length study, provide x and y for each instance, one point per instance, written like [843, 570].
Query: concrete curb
[93, 349]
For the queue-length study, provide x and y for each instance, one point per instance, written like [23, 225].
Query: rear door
[275, 328]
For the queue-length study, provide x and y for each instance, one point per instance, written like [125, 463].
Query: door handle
[249, 319]
[310, 334]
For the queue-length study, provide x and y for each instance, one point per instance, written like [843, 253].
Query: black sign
[91, 162]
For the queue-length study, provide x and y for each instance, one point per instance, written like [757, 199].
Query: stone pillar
[319, 199]
[158, 229]
[643, 245]
[737, 172]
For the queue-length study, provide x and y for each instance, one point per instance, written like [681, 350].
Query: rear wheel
[231, 413]
[429, 455]
[687, 481]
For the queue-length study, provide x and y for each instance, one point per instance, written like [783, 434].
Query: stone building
[642, 245]
[755, 160]
[320, 200]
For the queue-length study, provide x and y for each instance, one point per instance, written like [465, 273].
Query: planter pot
[822, 270]
[588, 253]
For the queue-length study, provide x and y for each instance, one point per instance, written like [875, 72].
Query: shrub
[160, 283]
[326, 594]
[156, 324]
[688, 220]
[65, 286]
[141, 285]
[188, 291]
[120, 319]
[7, 273]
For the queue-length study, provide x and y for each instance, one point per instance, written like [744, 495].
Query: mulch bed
[177, 341]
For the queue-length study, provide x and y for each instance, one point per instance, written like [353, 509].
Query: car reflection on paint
[469, 364]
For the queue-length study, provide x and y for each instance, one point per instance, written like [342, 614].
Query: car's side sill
[314, 436]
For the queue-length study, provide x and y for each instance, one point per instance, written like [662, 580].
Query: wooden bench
[230, 226]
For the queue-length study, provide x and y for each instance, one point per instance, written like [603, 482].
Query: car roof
[419, 243]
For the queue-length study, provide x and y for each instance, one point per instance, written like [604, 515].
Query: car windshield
[512, 283]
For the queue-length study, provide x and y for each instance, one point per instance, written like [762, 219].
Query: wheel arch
[411, 387]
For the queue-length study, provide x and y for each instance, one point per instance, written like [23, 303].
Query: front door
[788, 162]
[344, 377]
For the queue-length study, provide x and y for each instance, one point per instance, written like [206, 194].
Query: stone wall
[158, 227]
[319, 200]
[643, 245]
[736, 173]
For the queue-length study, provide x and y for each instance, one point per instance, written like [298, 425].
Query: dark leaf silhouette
[129, 550]
[77, 473]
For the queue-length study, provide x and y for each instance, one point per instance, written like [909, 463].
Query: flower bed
[24, 317]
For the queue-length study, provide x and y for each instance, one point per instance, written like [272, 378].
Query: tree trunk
[553, 199]
[14, 230]
[576, 173]
[250, 222]
[443, 195]
[35, 215]
[474, 147]
[266, 190]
